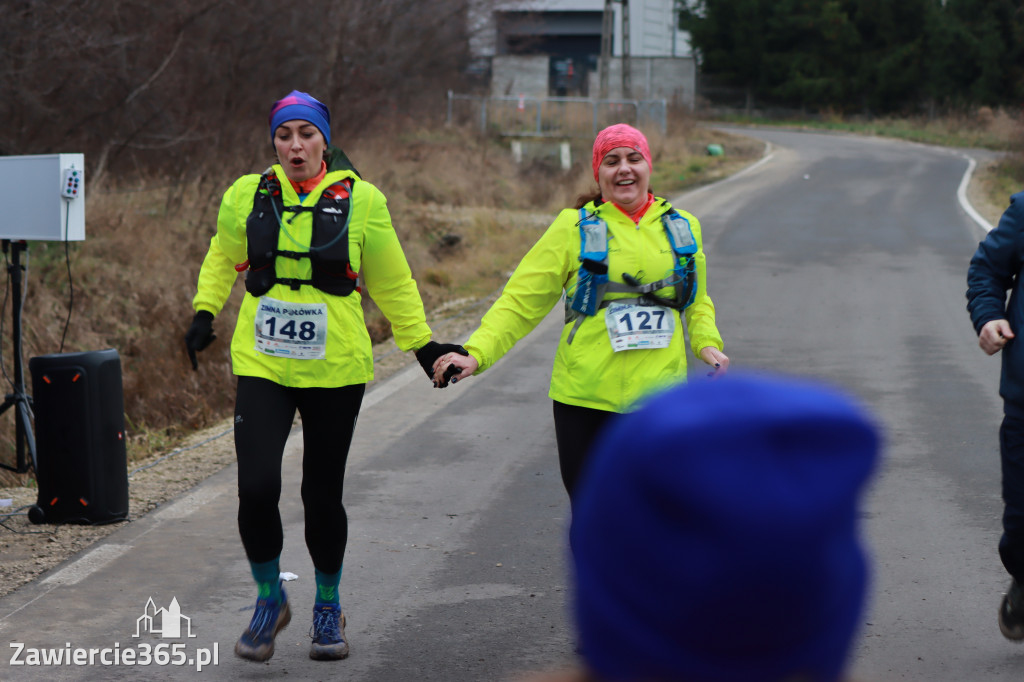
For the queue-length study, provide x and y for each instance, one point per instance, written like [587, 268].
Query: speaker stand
[25, 442]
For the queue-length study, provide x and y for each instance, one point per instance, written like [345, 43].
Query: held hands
[429, 355]
[994, 335]
[454, 367]
[718, 360]
[200, 335]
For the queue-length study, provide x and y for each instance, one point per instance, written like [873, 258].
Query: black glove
[429, 353]
[200, 335]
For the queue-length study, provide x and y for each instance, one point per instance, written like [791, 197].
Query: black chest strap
[328, 249]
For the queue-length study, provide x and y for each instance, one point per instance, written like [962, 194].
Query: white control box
[42, 197]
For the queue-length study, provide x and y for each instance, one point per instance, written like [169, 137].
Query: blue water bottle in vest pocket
[593, 275]
[590, 286]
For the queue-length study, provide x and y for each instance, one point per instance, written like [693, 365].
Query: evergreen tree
[729, 38]
[948, 70]
[991, 50]
[809, 55]
[893, 52]
[874, 56]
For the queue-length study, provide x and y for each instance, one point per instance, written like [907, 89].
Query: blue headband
[300, 106]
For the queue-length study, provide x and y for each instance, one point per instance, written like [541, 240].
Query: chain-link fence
[561, 117]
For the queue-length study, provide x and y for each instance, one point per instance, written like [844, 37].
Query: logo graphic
[164, 622]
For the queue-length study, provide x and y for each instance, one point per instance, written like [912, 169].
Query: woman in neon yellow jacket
[302, 231]
[627, 262]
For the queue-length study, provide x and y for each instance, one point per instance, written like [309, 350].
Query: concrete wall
[514, 75]
[670, 78]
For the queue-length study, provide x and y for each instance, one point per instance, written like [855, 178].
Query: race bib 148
[292, 330]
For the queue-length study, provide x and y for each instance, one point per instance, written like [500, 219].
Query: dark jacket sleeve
[995, 266]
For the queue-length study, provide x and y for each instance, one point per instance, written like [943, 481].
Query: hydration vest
[592, 283]
[328, 247]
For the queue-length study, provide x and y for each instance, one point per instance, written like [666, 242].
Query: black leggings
[576, 430]
[264, 411]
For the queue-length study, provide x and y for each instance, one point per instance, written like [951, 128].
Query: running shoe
[328, 633]
[1011, 613]
[269, 618]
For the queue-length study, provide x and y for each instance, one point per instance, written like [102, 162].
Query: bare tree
[152, 87]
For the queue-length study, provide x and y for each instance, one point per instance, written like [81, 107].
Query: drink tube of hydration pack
[648, 298]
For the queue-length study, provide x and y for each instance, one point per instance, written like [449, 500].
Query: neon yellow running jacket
[588, 372]
[374, 252]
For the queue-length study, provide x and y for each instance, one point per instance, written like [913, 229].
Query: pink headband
[620, 135]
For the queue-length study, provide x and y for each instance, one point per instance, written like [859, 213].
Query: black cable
[25, 532]
[21, 316]
[21, 511]
[180, 450]
[3, 307]
[71, 285]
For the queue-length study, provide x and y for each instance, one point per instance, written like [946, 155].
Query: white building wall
[652, 33]
[657, 28]
[652, 30]
[549, 5]
[661, 61]
[483, 30]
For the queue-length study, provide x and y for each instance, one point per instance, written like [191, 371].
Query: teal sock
[268, 578]
[327, 587]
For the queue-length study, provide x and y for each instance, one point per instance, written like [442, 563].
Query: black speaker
[81, 458]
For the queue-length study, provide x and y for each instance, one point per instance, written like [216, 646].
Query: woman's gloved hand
[199, 335]
[453, 368]
[428, 355]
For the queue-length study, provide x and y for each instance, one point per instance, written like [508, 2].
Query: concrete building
[542, 48]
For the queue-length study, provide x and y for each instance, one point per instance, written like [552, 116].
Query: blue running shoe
[269, 618]
[328, 633]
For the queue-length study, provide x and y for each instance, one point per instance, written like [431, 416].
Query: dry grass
[465, 212]
[991, 187]
[996, 181]
[979, 128]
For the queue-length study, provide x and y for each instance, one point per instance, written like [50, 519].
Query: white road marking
[86, 566]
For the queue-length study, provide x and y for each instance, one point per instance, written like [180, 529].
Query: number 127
[644, 318]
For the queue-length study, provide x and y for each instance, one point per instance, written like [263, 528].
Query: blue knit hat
[715, 534]
[300, 106]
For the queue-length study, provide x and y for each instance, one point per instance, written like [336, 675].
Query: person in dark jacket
[994, 271]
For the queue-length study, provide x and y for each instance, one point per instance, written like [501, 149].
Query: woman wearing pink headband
[633, 271]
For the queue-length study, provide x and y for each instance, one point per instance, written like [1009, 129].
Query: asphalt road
[845, 258]
[837, 257]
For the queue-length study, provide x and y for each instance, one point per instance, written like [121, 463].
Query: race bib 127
[632, 327]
